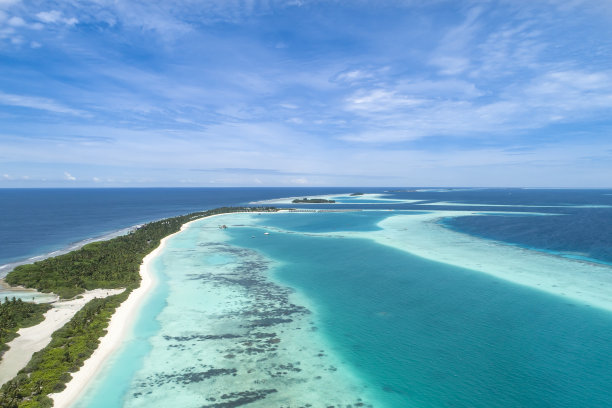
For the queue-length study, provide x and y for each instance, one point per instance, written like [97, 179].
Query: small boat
[266, 233]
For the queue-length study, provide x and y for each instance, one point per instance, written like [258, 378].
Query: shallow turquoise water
[432, 335]
[325, 221]
[112, 384]
[420, 333]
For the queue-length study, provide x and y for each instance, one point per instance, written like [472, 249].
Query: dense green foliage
[312, 201]
[15, 314]
[48, 370]
[106, 264]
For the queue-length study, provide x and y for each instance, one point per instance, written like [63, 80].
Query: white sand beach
[35, 338]
[118, 328]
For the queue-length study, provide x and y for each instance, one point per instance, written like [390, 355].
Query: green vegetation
[48, 370]
[355, 194]
[312, 201]
[107, 264]
[15, 314]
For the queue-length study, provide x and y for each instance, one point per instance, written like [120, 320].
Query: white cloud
[383, 136]
[7, 177]
[301, 180]
[380, 100]
[452, 54]
[69, 176]
[389, 115]
[34, 102]
[55, 17]
[450, 65]
[49, 16]
[439, 89]
[510, 48]
[16, 22]
[354, 75]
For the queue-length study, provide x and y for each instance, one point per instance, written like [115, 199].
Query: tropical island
[306, 200]
[15, 314]
[111, 264]
[355, 194]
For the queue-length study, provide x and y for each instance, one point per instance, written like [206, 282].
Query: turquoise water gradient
[421, 333]
[432, 335]
[113, 383]
[324, 221]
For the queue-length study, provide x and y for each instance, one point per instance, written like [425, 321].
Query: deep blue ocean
[420, 332]
[36, 222]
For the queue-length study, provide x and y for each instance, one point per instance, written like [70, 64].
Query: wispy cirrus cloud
[55, 17]
[280, 91]
[549, 99]
[38, 103]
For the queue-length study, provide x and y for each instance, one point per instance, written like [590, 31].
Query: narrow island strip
[35, 338]
[112, 264]
[116, 332]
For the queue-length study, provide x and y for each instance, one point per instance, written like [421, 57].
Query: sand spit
[35, 338]
[421, 234]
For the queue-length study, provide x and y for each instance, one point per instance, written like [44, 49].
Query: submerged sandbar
[230, 334]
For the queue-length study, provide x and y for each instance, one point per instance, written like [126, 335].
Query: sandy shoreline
[35, 338]
[229, 335]
[117, 330]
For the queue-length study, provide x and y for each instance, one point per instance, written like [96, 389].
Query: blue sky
[305, 92]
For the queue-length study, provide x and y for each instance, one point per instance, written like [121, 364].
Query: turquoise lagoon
[292, 309]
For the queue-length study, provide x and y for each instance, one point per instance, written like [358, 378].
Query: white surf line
[35, 338]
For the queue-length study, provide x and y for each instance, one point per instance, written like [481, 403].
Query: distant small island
[312, 201]
[356, 194]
